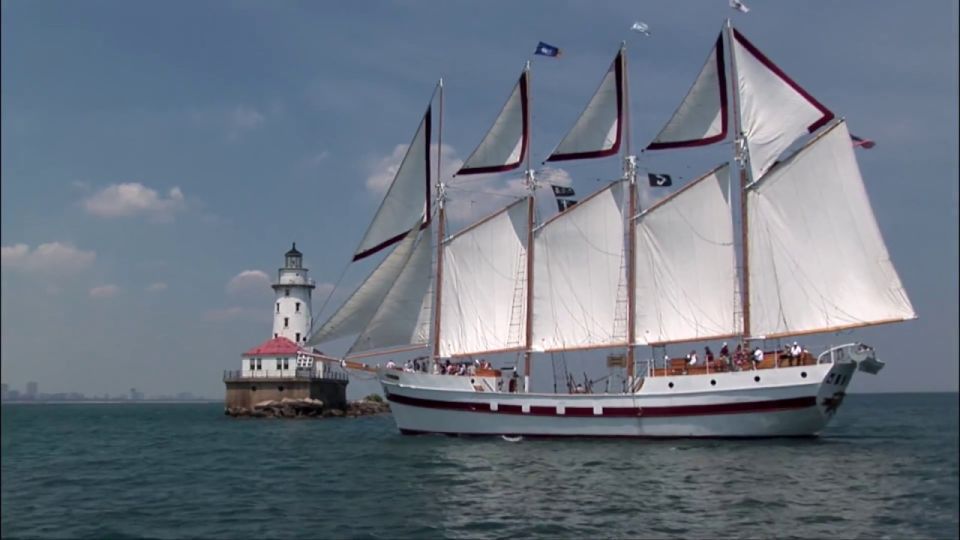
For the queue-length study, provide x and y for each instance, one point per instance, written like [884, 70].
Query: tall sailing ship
[805, 256]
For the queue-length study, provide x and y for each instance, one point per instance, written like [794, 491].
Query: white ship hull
[785, 401]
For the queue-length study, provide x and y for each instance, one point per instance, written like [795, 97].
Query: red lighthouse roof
[274, 347]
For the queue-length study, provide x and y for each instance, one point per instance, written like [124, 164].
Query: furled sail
[774, 110]
[506, 144]
[701, 118]
[817, 261]
[354, 315]
[484, 289]
[686, 265]
[407, 199]
[403, 317]
[598, 131]
[579, 275]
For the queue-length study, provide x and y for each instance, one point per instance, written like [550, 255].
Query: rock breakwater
[310, 408]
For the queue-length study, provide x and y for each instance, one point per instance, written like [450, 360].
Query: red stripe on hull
[539, 436]
[608, 412]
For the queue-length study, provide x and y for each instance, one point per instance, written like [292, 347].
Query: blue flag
[546, 50]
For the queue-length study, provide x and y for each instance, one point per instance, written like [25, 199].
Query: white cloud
[384, 169]
[249, 282]
[316, 159]
[242, 120]
[104, 291]
[133, 199]
[49, 258]
[236, 313]
[157, 287]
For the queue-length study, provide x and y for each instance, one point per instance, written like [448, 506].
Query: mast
[630, 169]
[531, 209]
[742, 158]
[441, 226]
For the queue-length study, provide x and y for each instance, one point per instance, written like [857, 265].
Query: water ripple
[887, 467]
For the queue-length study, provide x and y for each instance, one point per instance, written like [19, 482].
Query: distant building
[32, 388]
[4, 390]
[135, 395]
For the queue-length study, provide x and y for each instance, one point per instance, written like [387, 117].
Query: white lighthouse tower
[292, 316]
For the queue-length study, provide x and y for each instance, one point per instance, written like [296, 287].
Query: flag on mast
[865, 143]
[659, 180]
[641, 27]
[563, 204]
[739, 6]
[545, 49]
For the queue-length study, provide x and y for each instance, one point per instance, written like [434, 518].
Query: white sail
[354, 315]
[701, 118]
[686, 265]
[484, 290]
[403, 317]
[579, 275]
[505, 145]
[774, 110]
[817, 261]
[407, 199]
[598, 131]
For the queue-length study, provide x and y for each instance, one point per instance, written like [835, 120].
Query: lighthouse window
[286, 322]
[298, 337]
[298, 311]
[278, 307]
[286, 292]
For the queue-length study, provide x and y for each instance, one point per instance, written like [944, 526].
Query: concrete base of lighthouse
[245, 392]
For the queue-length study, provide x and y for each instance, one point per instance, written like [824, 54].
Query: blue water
[885, 468]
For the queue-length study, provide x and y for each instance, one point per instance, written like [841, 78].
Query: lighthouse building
[282, 366]
[291, 311]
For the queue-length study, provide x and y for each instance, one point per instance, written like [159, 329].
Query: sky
[158, 158]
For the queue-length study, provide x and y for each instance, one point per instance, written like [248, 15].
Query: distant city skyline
[31, 393]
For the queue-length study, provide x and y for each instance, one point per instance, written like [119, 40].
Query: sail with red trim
[506, 143]
[599, 129]
[774, 110]
[701, 118]
[402, 317]
[407, 200]
[817, 261]
[362, 306]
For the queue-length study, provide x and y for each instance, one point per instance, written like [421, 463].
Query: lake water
[887, 467]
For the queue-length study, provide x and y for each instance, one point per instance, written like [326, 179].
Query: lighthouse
[292, 315]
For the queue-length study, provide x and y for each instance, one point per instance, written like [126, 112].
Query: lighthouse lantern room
[292, 315]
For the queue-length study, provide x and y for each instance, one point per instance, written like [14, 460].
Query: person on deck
[724, 350]
[795, 352]
[692, 358]
[757, 357]
[708, 354]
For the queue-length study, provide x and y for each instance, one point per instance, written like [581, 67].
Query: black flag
[660, 180]
[563, 204]
[562, 191]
